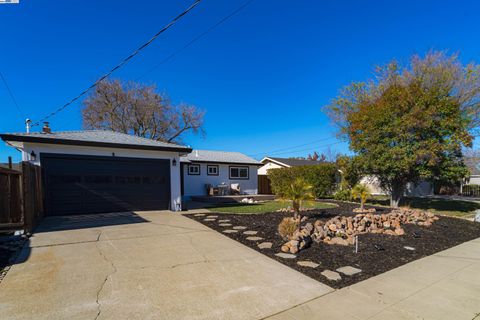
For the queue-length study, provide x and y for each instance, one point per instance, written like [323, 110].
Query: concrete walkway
[445, 285]
[150, 265]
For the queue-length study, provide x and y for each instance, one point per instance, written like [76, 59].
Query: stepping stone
[209, 219]
[254, 238]
[239, 228]
[331, 275]
[199, 215]
[225, 224]
[230, 231]
[265, 245]
[285, 255]
[224, 220]
[349, 271]
[250, 233]
[409, 248]
[308, 264]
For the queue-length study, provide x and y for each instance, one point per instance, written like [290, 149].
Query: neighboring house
[217, 168]
[473, 165]
[94, 171]
[276, 163]
[423, 188]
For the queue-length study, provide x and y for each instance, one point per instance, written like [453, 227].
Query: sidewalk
[445, 285]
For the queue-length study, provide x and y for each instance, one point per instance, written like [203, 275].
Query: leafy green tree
[411, 123]
[350, 171]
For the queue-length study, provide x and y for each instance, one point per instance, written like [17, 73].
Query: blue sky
[262, 77]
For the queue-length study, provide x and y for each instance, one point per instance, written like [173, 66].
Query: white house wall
[194, 185]
[473, 179]
[39, 148]
[269, 165]
[423, 188]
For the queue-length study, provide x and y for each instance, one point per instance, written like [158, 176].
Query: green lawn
[269, 206]
[456, 208]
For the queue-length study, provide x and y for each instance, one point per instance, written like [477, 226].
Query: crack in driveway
[114, 270]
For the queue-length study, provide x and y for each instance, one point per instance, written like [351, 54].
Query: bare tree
[139, 110]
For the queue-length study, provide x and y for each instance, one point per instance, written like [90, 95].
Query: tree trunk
[396, 195]
[296, 209]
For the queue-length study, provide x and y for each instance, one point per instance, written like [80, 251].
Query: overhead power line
[11, 95]
[292, 147]
[198, 37]
[313, 148]
[121, 64]
[307, 149]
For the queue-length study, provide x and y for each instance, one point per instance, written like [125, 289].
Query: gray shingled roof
[94, 138]
[295, 162]
[218, 156]
[473, 165]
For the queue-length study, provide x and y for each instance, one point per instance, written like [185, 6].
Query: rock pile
[342, 230]
[299, 240]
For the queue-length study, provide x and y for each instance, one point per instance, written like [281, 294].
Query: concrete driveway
[146, 265]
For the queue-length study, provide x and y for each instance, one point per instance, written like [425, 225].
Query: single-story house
[94, 171]
[421, 189]
[276, 163]
[203, 168]
[473, 165]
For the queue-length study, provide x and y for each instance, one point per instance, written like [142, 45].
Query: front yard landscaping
[338, 265]
[263, 207]
[449, 207]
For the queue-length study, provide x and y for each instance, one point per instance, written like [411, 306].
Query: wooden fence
[11, 207]
[32, 195]
[264, 186]
[21, 198]
[471, 190]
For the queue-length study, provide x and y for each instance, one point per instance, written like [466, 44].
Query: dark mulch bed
[378, 253]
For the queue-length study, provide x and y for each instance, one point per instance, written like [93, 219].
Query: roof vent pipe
[27, 125]
[196, 153]
[46, 128]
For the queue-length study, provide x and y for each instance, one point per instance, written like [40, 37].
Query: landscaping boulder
[341, 230]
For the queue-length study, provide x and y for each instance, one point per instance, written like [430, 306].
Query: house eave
[224, 162]
[9, 137]
[275, 161]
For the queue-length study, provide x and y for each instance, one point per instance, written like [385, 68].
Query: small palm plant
[297, 193]
[362, 192]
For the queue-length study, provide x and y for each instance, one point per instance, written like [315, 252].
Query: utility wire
[11, 95]
[308, 149]
[198, 37]
[121, 64]
[300, 150]
[291, 147]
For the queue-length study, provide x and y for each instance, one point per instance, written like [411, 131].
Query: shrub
[362, 192]
[322, 178]
[287, 227]
[298, 193]
[343, 195]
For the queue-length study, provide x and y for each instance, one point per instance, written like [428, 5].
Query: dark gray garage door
[91, 184]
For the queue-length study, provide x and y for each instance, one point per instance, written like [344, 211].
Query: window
[212, 170]
[194, 169]
[238, 172]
